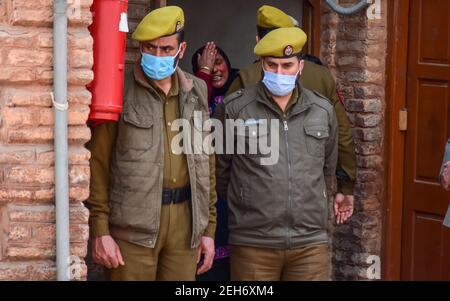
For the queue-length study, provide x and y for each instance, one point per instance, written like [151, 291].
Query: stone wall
[27, 217]
[354, 48]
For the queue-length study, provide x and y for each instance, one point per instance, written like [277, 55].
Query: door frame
[396, 85]
[312, 14]
[157, 3]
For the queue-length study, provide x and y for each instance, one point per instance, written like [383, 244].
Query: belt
[176, 195]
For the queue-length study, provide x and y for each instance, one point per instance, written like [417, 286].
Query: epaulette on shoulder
[320, 95]
[322, 100]
[233, 96]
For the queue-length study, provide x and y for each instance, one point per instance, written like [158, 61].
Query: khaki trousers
[171, 259]
[264, 264]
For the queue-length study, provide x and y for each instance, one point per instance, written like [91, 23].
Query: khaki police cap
[272, 17]
[160, 22]
[281, 42]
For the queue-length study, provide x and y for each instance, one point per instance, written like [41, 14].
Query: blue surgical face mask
[279, 84]
[159, 67]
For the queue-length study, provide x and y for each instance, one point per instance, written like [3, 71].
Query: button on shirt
[176, 174]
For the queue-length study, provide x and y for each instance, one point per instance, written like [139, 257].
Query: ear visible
[302, 65]
[257, 39]
[183, 47]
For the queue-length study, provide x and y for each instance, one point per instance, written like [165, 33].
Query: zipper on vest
[286, 129]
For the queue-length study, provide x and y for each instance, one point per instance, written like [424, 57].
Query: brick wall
[354, 48]
[137, 10]
[27, 216]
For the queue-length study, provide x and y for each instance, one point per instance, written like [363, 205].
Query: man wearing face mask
[152, 210]
[278, 211]
[315, 78]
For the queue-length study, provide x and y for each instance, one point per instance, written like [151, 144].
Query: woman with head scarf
[211, 64]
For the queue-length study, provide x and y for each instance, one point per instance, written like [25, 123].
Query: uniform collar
[297, 105]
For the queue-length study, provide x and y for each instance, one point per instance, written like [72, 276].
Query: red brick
[77, 115]
[79, 174]
[46, 214]
[29, 97]
[77, 155]
[41, 213]
[45, 195]
[79, 233]
[29, 270]
[81, 58]
[80, 77]
[17, 37]
[29, 175]
[37, 4]
[78, 249]
[44, 75]
[79, 214]
[372, 162]
[16, 155]
[79, 134]
[366, 105]
[14, 117]
[79, 96]
[80, 39]
[30, 252]
[43, 134]
[368, 148]
[19, 232]
[367, 134]
[28, 58]
[23, 17]
[44, 233]
[45, 40]
[79, 194]
[367, 120]
[367, 176]
[9, 194]
[17, 75]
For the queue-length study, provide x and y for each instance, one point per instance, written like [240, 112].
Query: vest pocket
[138, 131]
[315, 139]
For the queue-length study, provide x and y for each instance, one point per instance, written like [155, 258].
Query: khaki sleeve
[223, 164]
[211, 229]
[331, 147]
[101, 145]
[235, 85]
[346, 167]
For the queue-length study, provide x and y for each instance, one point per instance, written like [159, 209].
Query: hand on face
[207, 58]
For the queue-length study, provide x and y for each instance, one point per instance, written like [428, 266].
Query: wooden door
[425, 241]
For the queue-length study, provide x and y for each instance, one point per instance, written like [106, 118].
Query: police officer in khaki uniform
[317, 78]
[278, 210]
[152, 208]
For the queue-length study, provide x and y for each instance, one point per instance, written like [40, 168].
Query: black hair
[232, 72]
[312, 58]
[195, 66]
[262, 31]
[180, 36]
